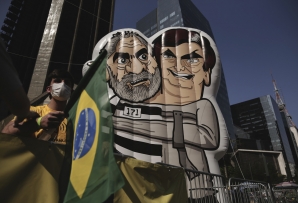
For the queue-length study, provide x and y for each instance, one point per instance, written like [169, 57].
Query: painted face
[182, 72]
[133, 72]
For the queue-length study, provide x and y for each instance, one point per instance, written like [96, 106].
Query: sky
[254, 38]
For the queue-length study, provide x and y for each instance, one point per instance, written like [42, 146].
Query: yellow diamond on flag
[85, 142]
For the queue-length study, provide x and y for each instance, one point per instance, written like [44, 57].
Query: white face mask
[60, 91]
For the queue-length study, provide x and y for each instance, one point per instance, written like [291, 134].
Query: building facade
[261, 165]
[53, 34]
[292, 137]
[183, 13]
[259, 127]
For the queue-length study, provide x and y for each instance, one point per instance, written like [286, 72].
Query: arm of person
[25, 128]
[11, 90]
[207, 125]
[17, 102]
[29, 127]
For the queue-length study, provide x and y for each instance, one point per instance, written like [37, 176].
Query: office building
[183, 13]
[292, 137]
[290, 126]
[173, 13]
[261, 165]
[259, 128]
[53, 34]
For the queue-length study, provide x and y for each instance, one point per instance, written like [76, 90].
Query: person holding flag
[51, 125]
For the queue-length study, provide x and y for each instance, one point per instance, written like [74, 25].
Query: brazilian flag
[94, 173]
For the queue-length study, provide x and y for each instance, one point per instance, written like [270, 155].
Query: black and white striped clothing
[154, 132]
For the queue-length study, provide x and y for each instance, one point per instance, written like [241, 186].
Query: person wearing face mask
[51, 125]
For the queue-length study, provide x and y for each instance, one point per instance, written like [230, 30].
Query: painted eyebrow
[192, 55]
[120, 54]
[169, 53]
[195, 55]
[140, 52]
[186, 56]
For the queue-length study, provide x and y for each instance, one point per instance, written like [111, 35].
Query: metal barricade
[206, 187]
[249, 191]
[285, 195]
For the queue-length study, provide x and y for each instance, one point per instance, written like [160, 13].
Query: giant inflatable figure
[162, 91]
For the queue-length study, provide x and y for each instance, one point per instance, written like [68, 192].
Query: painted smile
[181, 75]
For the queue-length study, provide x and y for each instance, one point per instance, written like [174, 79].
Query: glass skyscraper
[291, 137]
[183, 13]
[70, 31]
[53, 34]
[259, 126]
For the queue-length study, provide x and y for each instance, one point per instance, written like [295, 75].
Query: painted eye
[122, 60]
[192, 61]
[143, 57]
[168, 56]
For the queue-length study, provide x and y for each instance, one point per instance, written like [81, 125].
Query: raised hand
[30, 116]
[52, 120]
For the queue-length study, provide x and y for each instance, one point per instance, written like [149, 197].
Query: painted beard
[136, 87]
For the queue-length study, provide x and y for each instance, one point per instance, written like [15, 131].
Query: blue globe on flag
[85, 133]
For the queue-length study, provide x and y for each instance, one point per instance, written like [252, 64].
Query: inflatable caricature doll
[162, 91]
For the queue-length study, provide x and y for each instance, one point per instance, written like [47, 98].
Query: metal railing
[249, 191]
[206, 187]
[286, 195]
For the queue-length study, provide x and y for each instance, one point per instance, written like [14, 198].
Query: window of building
[176, 23]
[154, 26]
[146, 31]
[163, 20]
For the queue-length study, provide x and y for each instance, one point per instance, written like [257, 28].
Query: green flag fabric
[94, 173]
[30, 170]
[150, 183]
